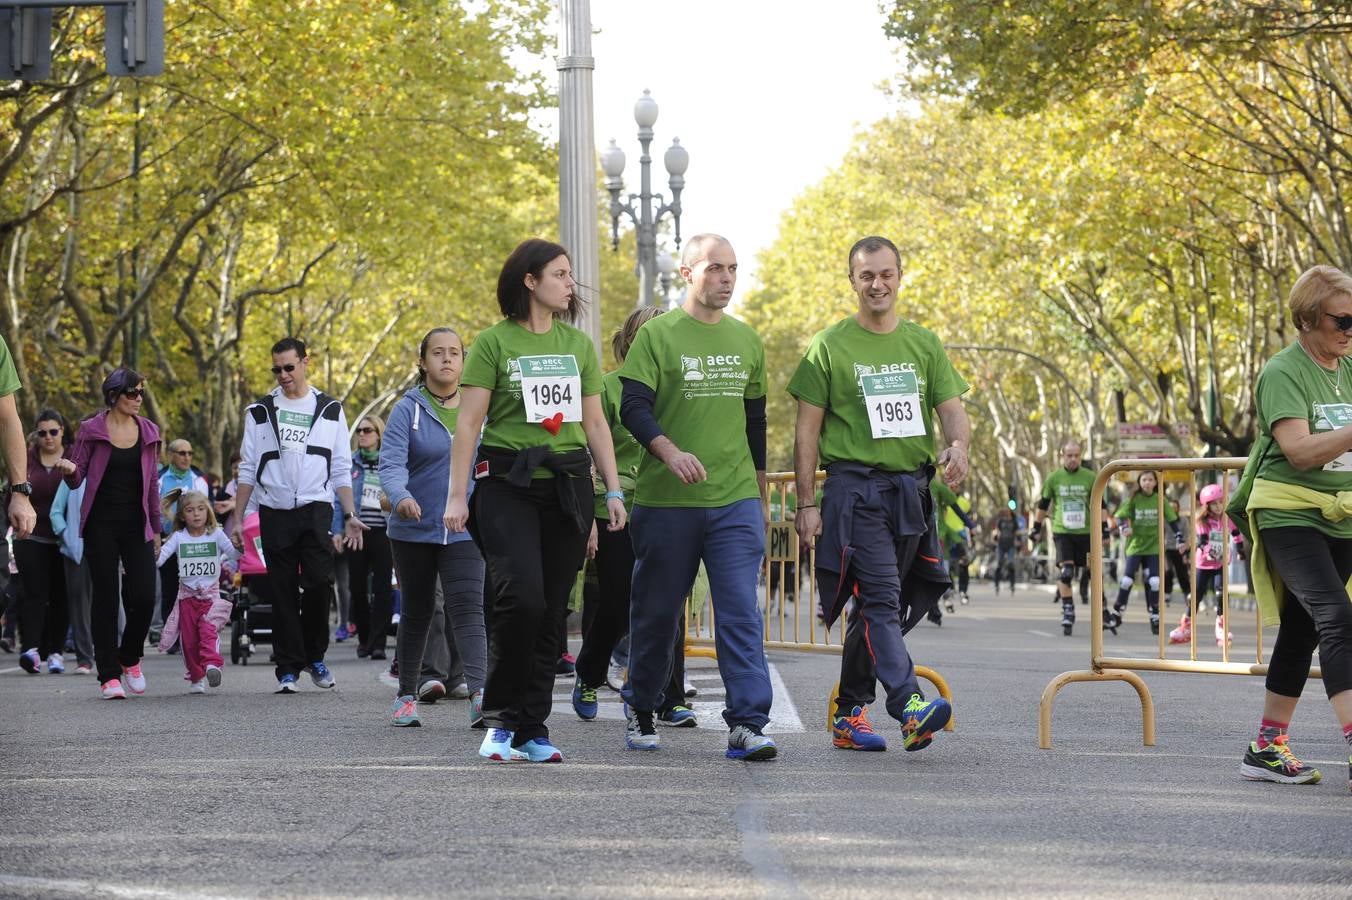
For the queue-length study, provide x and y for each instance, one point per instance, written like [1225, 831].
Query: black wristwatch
[23, 487]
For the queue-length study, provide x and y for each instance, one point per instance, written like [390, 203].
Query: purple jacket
[90, 455]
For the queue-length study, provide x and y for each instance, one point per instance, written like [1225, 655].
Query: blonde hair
[1312, 291]
[376, 421]
[624, 336]
[183, 498]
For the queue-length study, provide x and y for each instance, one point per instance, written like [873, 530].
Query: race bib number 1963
[197, 560]
[549, 385]
[893, 402]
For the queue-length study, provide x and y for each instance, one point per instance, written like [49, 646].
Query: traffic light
[133, 41]
[1014, 497]
[25, 43]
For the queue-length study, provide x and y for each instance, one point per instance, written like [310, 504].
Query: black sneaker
[1067, 619]
[1111, 619]
[1277, 763]
[935, 616]
[1154, 623]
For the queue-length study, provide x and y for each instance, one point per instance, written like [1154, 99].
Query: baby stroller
[251, 620]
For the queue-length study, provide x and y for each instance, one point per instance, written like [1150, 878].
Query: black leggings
[371, 607]
[1315, 609]
[608, 620]
[43, 607]
[110, 540]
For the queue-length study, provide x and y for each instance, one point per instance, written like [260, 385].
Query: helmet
[1211, 493]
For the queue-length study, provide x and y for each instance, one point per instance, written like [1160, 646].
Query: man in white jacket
[293, 459]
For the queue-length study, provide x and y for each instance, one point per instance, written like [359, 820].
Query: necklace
[440, 399]
[1336, 384]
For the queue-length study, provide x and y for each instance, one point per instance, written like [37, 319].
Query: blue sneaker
[406, 712]
[584, 701]
[922, 720]
[286, 684]
[497, 745]
[537, 750]
[853, 732]
[476, 710]
[320, 674]
[678, 717]
[340, 634]
[749, 744]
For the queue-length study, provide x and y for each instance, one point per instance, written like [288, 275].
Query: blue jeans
[668, 546]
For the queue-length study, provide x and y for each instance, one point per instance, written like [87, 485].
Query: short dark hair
[290, 343]
[121, 379]
[529, 258]
[871, 244]
[51, 415]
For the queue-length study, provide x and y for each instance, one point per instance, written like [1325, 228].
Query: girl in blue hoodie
[415, 471]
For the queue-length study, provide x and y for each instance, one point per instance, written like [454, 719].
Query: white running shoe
[198, 687]
[136, 681]
[56, 664]
[460, 691]
[615, 677]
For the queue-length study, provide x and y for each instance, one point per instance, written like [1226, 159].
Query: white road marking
[1040, 633]
[102, 889]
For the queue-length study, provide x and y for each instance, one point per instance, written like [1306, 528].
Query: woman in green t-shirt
[533, 383]
[1139, 520]
[1302, 458]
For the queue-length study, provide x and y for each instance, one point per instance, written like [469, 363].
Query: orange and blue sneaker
[1277, 763]
[853, 732]
[922, 720]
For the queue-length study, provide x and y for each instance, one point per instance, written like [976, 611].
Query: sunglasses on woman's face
[1343, 323]
[366, 430]
[48, 432]
[288, 369]
[134, 393]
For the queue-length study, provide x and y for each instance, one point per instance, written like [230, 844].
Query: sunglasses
[288, 368]
[48, 432]
[134, 393]
[366, 430]
[1344, 323]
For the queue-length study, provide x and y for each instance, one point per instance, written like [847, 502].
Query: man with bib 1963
[867, 389]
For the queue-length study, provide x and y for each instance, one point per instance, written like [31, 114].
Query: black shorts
[1072, 548]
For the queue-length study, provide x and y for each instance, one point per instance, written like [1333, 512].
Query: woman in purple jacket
[117, 453]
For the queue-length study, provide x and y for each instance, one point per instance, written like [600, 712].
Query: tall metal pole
[577, 163]
[646, 233]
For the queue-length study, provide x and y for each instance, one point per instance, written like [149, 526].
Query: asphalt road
[245, 794]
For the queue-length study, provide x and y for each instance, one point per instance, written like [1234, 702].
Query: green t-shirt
[9, 377]
[1143, 513]
[448, 417]
[1293, 386]
[1069, 493]
[534, 378]
[701, 374]
[628, 452]
[872, 386]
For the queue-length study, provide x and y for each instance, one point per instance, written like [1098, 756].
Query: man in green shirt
[1066, 494]
[867, 389]
[694, 396]
[14, 448]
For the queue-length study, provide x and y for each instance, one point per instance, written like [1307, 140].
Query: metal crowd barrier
[1118, 668]
[789, 613]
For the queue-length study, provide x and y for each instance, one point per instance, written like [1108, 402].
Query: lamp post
[644, 216]
[666, 271]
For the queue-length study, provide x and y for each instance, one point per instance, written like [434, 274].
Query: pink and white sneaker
[136, 682]
[1223, 637]
[112, 690]
[1183, 633]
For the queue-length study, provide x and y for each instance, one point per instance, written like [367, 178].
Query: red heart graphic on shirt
[553, 423]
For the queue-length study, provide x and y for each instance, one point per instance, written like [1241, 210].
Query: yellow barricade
[1116, 668]
[790, 612]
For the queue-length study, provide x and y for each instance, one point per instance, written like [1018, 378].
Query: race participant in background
[43, 605]
[1065, 494]
[176, 475]
[952, 512]
[866, 390]
[693, 394]
[1139, 517]
[614, 558]
[536, 381]
[293, 457]
[370, 594]
[1004, 530]
[1214, 530]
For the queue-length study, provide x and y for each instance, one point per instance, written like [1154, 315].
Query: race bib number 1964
[549, 385]
[893, 402]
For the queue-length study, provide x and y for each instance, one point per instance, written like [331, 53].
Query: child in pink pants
[202, 547]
